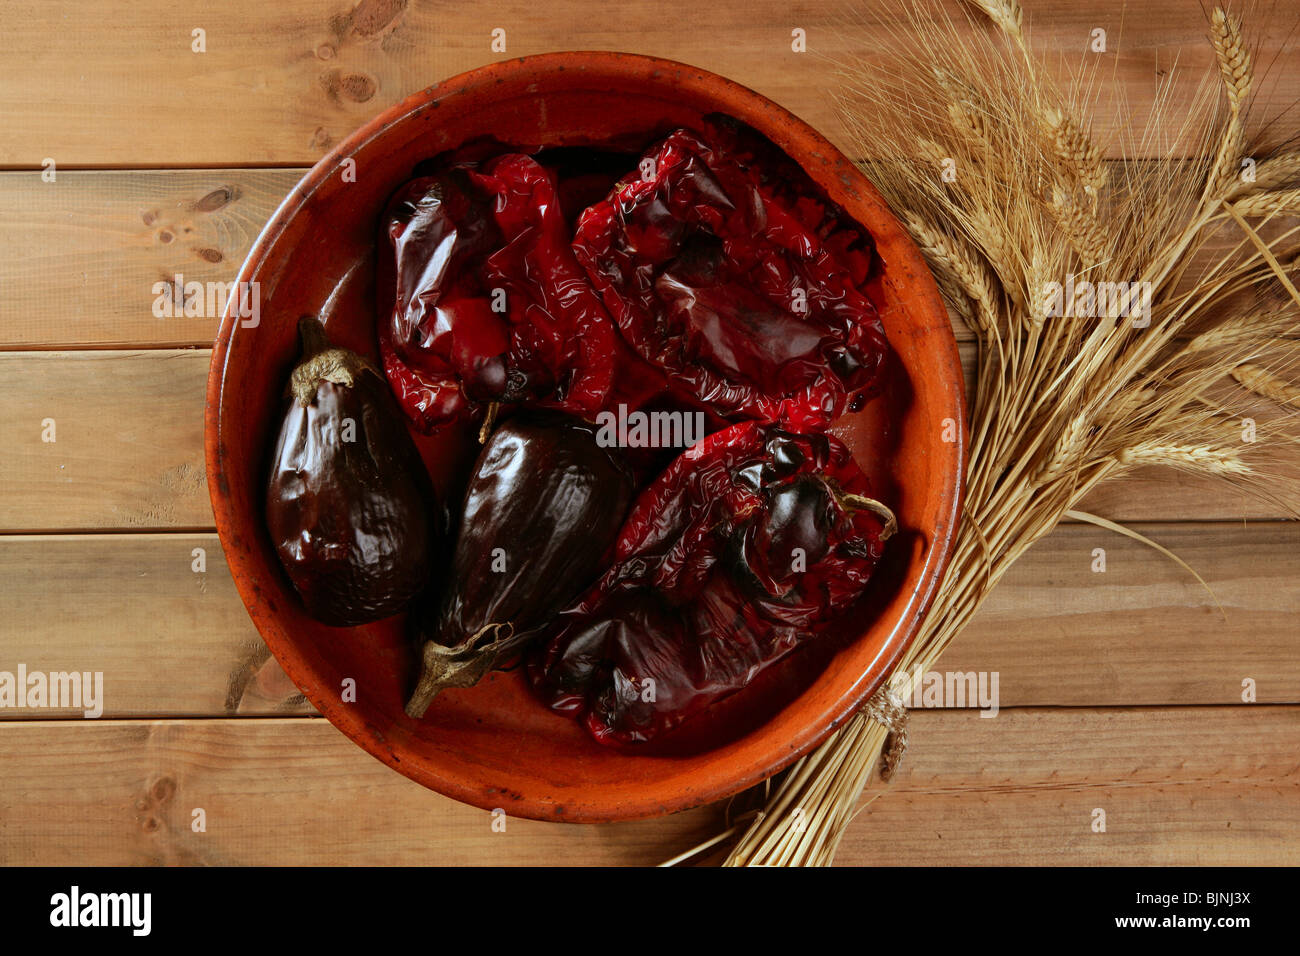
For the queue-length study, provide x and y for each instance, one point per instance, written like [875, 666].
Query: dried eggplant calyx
[543, 506]
[463, 665]
[349, 505]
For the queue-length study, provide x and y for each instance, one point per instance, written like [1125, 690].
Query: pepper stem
[489, 419]
[461, 666]
[863, 503]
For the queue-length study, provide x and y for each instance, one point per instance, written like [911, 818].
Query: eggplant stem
[311, 332]
[461, 666]
[322, 362]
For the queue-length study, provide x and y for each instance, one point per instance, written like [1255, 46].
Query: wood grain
[171, 641]
[168, 640]
[1205, 785]
[83, 254]
[128, 440]
[1143, 631]
[281, 83]
[274, 791]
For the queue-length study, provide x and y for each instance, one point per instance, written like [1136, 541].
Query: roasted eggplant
[542, 508]
[349, 504]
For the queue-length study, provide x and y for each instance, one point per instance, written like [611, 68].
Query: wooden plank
[1163, 494]
[128, 452]
[127, 449]
[281, 83]
[171, 641]
[275, 791]
[1200, 785]
[168, 639]
[1143, 631]
[82, 255]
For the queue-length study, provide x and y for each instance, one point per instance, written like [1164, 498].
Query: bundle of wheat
[1127, 313]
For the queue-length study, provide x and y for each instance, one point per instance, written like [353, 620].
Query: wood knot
[358, 87]
[355, 87]
[163, 789]
[151, 803]
[216, 199]
[372, 18]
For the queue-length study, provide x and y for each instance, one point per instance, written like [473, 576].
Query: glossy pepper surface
[541, 512]
[489, 305]
[747, 292]
[747, 545]
[349, 505]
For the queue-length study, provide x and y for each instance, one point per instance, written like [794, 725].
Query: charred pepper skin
[439, 230]
[349, 505]
[747, 546]
[747, 293]
[489, 308]
[541, 511]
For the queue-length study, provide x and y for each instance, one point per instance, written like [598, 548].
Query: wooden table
[1119, 690]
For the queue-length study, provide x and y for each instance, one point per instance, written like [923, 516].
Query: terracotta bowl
[494, 745]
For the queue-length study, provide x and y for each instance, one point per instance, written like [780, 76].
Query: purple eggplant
[542, 509]
[349, 504]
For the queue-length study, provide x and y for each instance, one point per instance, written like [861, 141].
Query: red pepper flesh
[490, 305]
[747, 293]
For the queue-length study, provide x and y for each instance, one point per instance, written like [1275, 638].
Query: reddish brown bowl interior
[494, 745]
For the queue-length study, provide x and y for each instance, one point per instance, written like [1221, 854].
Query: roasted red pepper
[746, 546]
[747, 293]
[490, 307]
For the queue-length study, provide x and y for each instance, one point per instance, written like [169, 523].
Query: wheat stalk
[1271, 173]
[1265, 203]
[1265, 383]
[1233, 57]
[1234, 66]
[1207, 458]
[1064, 402]
[1076, 151]
[955, 261]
